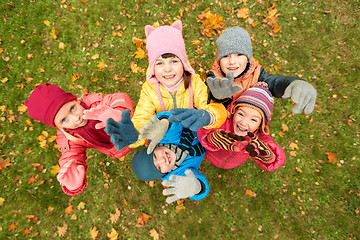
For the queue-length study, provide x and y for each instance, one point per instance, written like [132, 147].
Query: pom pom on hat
[234, 40]
[45, 101]
[143, 166]
[165, 39]
[260, 99]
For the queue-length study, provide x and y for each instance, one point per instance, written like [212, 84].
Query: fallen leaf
[298, 169]
[115, 217]
[69, 209]
[32, 218]
[12, 227]
[113, 234]
[27, 231]
[38, 166]
[95, 56]
[196, 42]
[101, 65]
[55, 169]
[32, 180]
[154, 234]
[124, 202]
[250, 193]
[331, 157]
[140, 54]
[53, 33]
[62, 230]
[293, 153]
[281, 134]
[28, 78]
[284, 127]
[81, 205]
[293, 146]
[47, 23]
[5, 79]
[2, 200]
[143, 219]
[93, 233]
[242, 13]
[138, 42]
[62, 45]
[74, 77]
[4, 163]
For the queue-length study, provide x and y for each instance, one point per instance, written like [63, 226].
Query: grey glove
[182, 186]
[303, 94]
[223, 87]
[155, 132]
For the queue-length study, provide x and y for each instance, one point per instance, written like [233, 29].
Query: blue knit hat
[143, 166]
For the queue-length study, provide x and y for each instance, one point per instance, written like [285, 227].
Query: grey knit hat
[234, 40]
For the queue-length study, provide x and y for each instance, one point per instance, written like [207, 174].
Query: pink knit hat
[45, 101]
[165, 39]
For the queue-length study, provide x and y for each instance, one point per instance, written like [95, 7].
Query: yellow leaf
[28, 78]
[134, 67]
[243, 13]
[81, 205]
[47, 23]
[124, 202]
[284, 127]
[5, 79]
[95, 79]
[22, 108]
[55, 169]
[293, 153]
[74, 77]
[4, 163]
[62, 45]
[281, 134]
[138, 42]
[156, 24]
[294, 146]
[113, 234]
[93, 233]
[32, 180]
[52, 138]
[69, 209]
[62, 230]
[196, 42]
[53, 33]
[298, 169]
[154, 234]
[50, 209]
[95, 56]
[97, 23]
[115, 217]
[250, 193]
[45, 133]
[73, 217]
[140, 54]
[101, 65]
[2, 200]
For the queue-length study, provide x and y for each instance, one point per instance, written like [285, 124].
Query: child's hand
[223, 87]
[122, 133]
[303, 95]
[259, 150]
[190, 118]
[155, 132]
[102, 113]
[72, 176]
[227, 140]
[182, 186]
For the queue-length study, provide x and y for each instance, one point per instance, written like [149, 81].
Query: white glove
[155, 132]
[303, 94]
[182, 186]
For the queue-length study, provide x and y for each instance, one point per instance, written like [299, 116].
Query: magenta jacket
[74, 153]
[228, 159]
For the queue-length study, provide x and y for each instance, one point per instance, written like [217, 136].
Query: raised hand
[259, 150]
[122, 133]
[190, 118]
[223, 87]
[181, 186]
[154, 131]
[303, 94]
[102, 113]
[72, 176]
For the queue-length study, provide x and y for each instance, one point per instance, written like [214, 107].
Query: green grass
[307, 198]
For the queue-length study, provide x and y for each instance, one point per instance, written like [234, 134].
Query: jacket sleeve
[200, 94]
[277, 83]
[73, 155]
[277, 150]
[202, 134]
[204, 184]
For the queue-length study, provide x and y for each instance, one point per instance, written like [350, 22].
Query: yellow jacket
[149, 103]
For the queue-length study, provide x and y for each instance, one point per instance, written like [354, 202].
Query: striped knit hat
[260, 99]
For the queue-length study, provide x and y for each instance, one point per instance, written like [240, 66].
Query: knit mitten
[222, 88]
[303, 95]
[258, 150]
[102, 113]
[122, 133]
[190, 118]
[154, 131]
[226, 140]
[181, 186]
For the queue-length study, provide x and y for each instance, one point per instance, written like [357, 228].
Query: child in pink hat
[80, 123]
[172, 84]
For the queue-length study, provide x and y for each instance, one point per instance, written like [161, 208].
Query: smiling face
[164, 159]
[234, 62]
[168, 71]
[70, 116]
[245, 120]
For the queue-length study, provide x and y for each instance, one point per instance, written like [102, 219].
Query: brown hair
[186, 76]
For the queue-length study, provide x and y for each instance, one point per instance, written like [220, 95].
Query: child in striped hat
[245, 133]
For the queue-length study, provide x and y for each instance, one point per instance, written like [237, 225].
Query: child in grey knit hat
[235, 70]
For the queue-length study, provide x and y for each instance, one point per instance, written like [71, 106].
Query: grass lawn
[88, 46]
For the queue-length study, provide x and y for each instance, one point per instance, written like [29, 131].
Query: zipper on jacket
[227, 159]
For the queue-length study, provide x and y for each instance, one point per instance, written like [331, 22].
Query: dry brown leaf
[284, 127]
[154, 234]
[331, 157]
[4, 163]
[69, 209]
[293, 153]
[12, 227]
[250, 193]
[298, 169]
[143, 219]
[93, 233]
[62, 230]
[115, 217]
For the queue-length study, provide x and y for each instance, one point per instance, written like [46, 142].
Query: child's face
[70, 116]
[168, 71]
[245, 120]
[164, 159]
[234, 62]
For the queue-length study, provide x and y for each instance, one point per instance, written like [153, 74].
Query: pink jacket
[228, 159]
[74, 153]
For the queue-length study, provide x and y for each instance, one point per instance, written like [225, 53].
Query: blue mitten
[222, 88]
[190, 118]
[303, 95]
[122, 133]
